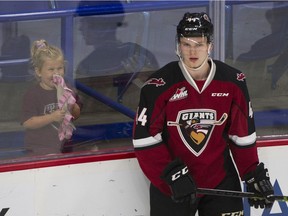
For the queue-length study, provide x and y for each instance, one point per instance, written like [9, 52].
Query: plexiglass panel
[257, 45]
[112, 55]
[112, 50]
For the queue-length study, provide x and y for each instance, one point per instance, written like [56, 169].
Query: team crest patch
[180, 93]
[241, 76]
[195, 127]
[156, 81]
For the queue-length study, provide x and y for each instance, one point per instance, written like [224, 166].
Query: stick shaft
[239, 194]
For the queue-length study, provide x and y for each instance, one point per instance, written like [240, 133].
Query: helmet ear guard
[210, 48]
[195, 25]
[177, 50]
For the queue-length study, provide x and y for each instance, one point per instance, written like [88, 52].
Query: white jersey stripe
[243, 141]
[148, 141]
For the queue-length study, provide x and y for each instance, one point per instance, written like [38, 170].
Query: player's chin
[194, 66]
[194, 62]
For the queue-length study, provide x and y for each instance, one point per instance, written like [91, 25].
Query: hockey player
[192, 114]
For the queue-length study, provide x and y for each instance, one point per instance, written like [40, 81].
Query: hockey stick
[239, 194]
[217, 122]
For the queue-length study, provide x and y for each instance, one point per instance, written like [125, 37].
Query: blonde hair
[41, 50]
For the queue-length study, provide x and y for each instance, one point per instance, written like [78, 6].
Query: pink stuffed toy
[65, 101]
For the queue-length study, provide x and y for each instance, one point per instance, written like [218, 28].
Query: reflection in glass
[259, 35]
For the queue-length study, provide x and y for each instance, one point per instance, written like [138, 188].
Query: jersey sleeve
[150, 148]
[242, 134]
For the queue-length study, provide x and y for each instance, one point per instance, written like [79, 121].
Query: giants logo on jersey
[195, 128]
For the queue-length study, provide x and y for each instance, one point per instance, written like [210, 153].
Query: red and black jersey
[200, 122]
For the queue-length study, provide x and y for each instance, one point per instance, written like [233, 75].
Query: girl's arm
[41, 121]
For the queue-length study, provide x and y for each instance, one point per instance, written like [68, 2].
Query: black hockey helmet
[195, 25]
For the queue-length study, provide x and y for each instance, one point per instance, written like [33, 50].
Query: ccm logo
[220, 94]
[180, 173]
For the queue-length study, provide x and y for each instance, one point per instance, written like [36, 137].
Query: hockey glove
[182, 186]
[258, 182]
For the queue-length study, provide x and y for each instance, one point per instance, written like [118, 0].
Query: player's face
[49, 68]
[193, 50]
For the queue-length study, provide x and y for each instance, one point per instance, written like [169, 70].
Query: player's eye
[199, 45]
[186, 45]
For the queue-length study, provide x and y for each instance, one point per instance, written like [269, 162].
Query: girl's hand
[58, 115]
[75, 111]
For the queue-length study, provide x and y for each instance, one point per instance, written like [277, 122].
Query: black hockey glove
[258, 182]
[177, 176]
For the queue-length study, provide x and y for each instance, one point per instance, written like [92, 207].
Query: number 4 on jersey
[142, 117]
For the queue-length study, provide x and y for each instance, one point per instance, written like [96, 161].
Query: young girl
[42, 117]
